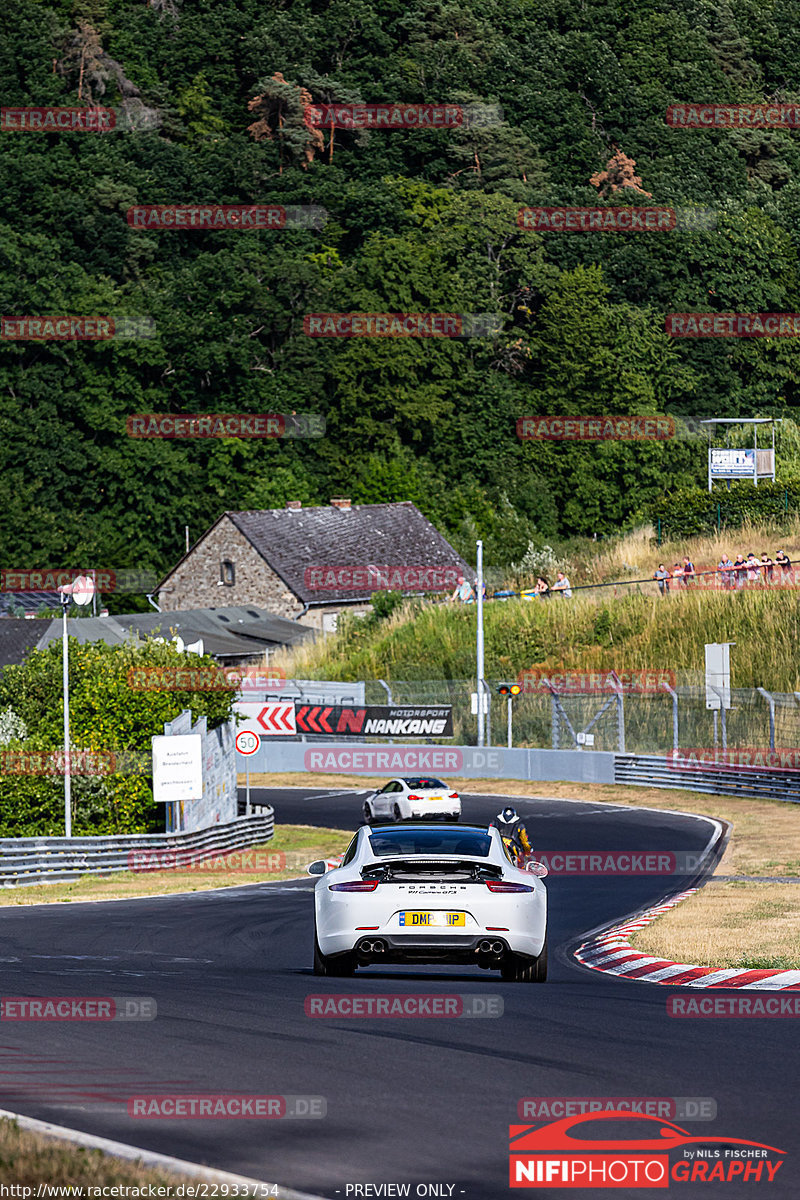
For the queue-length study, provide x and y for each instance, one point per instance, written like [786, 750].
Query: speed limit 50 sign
[247, 742]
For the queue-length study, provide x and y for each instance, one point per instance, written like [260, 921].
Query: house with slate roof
[310, 564]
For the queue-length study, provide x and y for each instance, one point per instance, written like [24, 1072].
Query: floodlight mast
[80, 591]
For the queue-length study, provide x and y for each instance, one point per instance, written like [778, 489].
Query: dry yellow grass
[750, 925]
[297, 844]
[634, 554]
[28, 1159]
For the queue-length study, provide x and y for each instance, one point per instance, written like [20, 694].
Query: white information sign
[177, 768]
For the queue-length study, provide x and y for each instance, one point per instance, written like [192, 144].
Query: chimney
[294, 504]
[340, 503]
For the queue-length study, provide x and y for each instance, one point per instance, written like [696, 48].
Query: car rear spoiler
[418, 868]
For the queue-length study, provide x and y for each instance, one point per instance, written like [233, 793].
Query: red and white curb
[612, 953]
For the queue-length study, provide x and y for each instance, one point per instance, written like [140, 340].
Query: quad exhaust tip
[370, 946]
[487, 946]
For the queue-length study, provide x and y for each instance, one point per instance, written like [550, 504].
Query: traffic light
[509, 689]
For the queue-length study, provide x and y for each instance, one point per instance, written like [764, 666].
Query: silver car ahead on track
[418, 893]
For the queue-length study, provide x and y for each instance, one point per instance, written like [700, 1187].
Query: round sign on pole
[82, 589]
[247, 743]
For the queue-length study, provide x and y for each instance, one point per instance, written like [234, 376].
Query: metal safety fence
[644, 715]
[28, 860]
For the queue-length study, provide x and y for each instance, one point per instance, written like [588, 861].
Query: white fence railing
[47, 860]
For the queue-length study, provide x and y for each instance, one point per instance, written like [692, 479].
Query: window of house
[227, 572]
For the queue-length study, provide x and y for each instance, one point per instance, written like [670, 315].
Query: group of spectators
[729, 575]
[464, 591]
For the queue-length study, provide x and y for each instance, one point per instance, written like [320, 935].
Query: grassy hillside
[634, 632]
[622, 628]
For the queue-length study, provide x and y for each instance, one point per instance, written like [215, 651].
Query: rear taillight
[453, 795]
[500, 886]
[415, 797]
[364, 885]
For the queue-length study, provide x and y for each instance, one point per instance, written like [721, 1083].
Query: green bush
[688, 512]
[120, 696]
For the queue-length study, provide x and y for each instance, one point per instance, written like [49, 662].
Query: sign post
[80, 591]
[718, 685]
[247, 743]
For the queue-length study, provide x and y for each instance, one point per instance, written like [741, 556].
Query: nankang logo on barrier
[619, 1149]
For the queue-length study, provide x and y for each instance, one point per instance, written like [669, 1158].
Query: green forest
[214, 93]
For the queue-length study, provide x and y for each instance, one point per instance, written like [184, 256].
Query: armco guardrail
[47, 860]
[651, 771]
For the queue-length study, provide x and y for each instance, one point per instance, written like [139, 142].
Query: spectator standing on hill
[785, 564]
[768, 567]
[563, 585]
[688, 572]
[740, 569]
[753, 568]
[662, 576]
[677, 573]
[725, 568]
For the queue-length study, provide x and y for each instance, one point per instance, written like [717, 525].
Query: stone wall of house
[195, 583]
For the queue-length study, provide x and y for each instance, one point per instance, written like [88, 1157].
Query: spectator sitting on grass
[542, 589]
[463, 591]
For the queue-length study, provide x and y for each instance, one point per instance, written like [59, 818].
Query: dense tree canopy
[418, 220]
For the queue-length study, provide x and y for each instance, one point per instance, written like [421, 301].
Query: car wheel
[396, 813]
[517, 969]
[367, 812]
[339, 965]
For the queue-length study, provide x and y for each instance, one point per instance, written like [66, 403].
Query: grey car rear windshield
[396, 843]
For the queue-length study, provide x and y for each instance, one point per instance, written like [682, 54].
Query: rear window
[397, 843]
[425, 781]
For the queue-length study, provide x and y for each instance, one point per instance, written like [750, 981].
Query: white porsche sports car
[411, 798]
[420, 894]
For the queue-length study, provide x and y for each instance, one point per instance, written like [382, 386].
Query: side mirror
[317, 868]
[538, 869]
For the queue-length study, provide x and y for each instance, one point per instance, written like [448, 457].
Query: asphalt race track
[408, 1100]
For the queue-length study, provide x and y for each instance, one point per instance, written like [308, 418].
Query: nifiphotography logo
[621, 1149]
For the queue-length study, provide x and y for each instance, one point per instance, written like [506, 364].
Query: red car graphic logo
[556, 1136]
